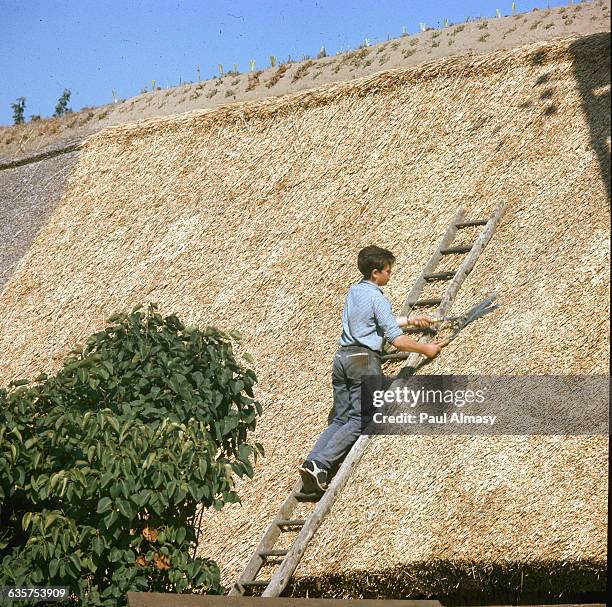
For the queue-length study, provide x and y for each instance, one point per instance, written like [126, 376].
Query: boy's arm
[394, 334]
[417, 321]
[406, 344]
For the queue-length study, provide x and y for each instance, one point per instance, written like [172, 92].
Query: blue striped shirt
[367, 318]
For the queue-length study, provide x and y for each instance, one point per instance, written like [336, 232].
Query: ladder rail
[412, 298]
[267, 541]
[467, 265]
[433, 262]
[462, 272]
[289, 564]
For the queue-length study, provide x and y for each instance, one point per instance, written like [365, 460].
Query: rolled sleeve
[385, 319]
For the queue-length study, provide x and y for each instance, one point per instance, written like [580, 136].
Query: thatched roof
[249, 216]
[474, 36]
[29, 193]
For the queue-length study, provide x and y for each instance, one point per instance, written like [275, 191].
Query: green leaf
[65, 541]
[90, 453]
[25, 521]
[150, 459]
[125, 508]
[106, 478]
[141, 498]
[16, 432]
[113, 423]
[55, 478]
[115, 555]
[111, 518]
[181, 494]
[108, 365]
[244, 451]
[18, 383]
[236, 335]
[104, 505]
[202, 467]
[98, 545]
[53, 567]
[76, 561]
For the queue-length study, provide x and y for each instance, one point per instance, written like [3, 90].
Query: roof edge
[540, 53]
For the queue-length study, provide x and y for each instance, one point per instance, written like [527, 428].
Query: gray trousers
[350, 364]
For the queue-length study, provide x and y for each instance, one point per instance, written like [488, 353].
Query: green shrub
[103, 466]
[62, 108]
[19, 110]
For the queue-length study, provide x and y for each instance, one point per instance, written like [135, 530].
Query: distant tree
[34, 117]
[62, 105]
[19, 110]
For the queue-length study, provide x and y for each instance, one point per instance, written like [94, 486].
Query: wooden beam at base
[157, 599]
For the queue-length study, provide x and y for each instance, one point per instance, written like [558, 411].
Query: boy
[367, 320]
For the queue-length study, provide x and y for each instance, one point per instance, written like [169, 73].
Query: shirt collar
[372, 284]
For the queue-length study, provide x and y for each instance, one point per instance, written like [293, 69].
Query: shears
[457, 323]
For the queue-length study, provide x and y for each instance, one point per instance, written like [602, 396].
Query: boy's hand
[431, 350]
[422, 321]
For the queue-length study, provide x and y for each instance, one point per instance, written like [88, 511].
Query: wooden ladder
[304, 528]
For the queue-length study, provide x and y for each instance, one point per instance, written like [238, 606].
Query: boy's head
[375, 264]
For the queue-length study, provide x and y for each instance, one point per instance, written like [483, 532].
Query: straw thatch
[29, 192]
[250, 216]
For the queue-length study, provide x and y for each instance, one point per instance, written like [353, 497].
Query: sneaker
[314, 478]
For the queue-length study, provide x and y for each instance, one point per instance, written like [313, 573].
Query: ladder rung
[460, 249]
[439, 276]
[288, 522]
[307, 497]
[470, 224]
[412, 330]
[395, 356]
[255, 583]
[425, 303]
[273, 552]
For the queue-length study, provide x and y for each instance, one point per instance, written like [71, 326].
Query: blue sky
[95, 47]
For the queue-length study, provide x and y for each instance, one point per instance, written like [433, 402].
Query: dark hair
[373, 258]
